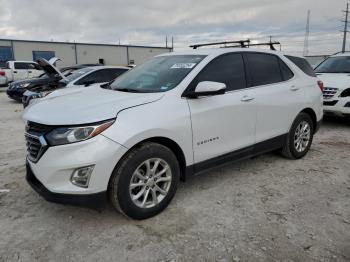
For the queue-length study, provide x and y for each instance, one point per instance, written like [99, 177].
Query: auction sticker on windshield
[184, 65]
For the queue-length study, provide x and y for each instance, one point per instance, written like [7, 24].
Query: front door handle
[294, 88]
[247, 98]
[30, 72]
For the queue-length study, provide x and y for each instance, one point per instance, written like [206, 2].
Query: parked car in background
[82, 77]
[335, 74]
[19, 70]
[175, 115]
[16, 89]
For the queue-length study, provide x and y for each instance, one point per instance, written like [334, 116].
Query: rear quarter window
[302, 64]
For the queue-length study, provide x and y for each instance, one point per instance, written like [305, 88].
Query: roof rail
[242, 43]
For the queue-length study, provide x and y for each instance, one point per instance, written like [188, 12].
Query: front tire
[299, 138]
[145, 181]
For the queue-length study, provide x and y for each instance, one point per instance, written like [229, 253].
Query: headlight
[67, 135]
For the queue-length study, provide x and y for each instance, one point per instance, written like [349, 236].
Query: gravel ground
[262, 209]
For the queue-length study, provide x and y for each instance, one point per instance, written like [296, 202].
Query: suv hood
[49, 68]
[74, 106]
[336, 80]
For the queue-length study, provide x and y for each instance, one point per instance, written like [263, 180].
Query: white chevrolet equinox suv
[176, 115]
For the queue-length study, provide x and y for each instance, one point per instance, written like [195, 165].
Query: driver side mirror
[208, 88]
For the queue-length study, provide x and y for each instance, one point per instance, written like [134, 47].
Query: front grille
[35, 141]
[329, 92]
[330, 103]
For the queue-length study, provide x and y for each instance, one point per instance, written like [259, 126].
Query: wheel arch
[169, 143]
[313, 116]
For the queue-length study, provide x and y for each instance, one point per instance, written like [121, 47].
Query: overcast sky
[147, 22]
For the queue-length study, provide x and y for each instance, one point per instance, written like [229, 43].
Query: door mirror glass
[209, 88]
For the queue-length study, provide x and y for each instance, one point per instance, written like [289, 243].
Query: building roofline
[81, 43]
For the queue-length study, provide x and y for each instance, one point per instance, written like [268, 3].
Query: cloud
[147, 22]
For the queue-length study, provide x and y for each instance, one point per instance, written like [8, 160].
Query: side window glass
[302, 64]
[286, 72]
[112, 74]
[264, 69]
[19, 65]
[94, 77]
[228, 69]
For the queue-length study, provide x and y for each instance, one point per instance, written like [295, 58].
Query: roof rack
[242, 43]
[270, 44]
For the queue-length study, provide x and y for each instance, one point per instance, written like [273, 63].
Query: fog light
[81, 176]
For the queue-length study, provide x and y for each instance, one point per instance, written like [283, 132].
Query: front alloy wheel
[150, 183]
[144, 181]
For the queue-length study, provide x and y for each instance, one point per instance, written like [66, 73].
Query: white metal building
[77, 53]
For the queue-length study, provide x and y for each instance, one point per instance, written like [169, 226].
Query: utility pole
[166, 41]
[270, 38]
[307, 33]
[172, 43]
[345, 27]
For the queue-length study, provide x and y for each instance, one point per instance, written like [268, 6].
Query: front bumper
[89, 200]
[55, 167]
[340, 108]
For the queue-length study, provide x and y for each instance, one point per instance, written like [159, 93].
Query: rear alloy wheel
[302, 136]
[299, 138]
[145, 181]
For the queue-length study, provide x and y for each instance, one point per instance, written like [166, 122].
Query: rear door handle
[30, 72]
[15, 72]
[294, 88]
[247, 98]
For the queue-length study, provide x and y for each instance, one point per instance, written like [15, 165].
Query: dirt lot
[263, 209]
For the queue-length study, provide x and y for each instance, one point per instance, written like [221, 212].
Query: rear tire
[299, 138]
[145, 181]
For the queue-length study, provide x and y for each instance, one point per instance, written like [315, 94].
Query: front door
[223, 124]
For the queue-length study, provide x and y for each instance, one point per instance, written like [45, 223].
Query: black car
[16, 89]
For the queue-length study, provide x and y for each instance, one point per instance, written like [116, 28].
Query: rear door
[277, 96]
[225, 123]
[20, 71]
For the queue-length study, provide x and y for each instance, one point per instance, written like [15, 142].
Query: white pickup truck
[19, 70]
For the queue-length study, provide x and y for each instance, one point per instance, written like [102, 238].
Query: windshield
[338, 64]
[72, 75]
[159, 74]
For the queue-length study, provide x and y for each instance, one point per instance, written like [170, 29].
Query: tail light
[320, 85]
[2, 73]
